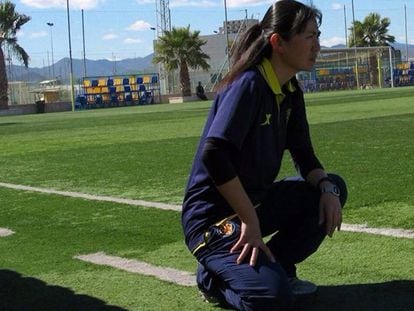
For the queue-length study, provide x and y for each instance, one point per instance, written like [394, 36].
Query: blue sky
[118, 29]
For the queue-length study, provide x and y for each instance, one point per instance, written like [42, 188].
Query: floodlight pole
[346, 32]
[227, 34]
[346, 36]
[72, 89]
[355, 47]
[84, 49]
[51, 44]
[406, 33]
[154, 29]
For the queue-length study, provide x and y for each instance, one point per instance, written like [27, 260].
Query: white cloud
[207, 3]
[110, 36]
[337, 6]
[42, 4]
[245, 3]
[145, 1]
[400, 39]
[21, 34]
[40, 34]
[74, 4]
[332, 41]
[139, 26]
[193, 3]
[132, 41]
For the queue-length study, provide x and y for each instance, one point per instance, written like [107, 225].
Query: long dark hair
[285, 17]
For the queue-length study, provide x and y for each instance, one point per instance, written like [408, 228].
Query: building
[335, 68]
[216, 48]
[236, 26]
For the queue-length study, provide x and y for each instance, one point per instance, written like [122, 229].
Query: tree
[373, 31]
[10, 23]
[180, 49]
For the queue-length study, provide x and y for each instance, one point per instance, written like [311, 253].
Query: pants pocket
[220, 237]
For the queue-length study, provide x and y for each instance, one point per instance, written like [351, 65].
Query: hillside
[93, 68]
[105, 67]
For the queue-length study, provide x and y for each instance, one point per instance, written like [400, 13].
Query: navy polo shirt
[247, 115]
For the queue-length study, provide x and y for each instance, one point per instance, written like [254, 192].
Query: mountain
[101, 67]
[122, 67]
[402, 48]
[338, 46]
[395, 45]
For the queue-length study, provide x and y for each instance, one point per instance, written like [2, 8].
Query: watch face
[331, 188]
[336, 190]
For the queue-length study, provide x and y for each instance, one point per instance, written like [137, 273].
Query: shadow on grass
[8, 123]
[388, 296]
[18, 292]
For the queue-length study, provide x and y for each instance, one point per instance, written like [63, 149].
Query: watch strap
[331, 188]
[326, 178]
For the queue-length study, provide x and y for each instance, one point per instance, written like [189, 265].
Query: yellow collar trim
[266, 69]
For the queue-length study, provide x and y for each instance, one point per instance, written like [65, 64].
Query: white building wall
[216, 48]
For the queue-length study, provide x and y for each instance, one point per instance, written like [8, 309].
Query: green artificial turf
[50, 230]
[146, 153]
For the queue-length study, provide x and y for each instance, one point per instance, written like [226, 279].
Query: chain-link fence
[350, 68]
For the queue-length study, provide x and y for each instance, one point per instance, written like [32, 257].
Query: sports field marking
[398, 233]
[131, 265]
[5, 232]
[94, 197]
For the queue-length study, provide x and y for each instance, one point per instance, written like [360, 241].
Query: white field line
[166, 274]
[5, 232]
[399, 233]
[94, 197]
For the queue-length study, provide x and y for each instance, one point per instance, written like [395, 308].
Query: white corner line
[6, 232]
[94, 197]
[131, 265]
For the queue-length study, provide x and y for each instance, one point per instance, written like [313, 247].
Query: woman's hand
[330, 210]
[250, 243]
[330, 213]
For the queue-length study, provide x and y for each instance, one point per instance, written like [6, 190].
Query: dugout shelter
[119, 90]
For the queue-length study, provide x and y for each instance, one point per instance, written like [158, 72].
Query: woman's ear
[276, 42]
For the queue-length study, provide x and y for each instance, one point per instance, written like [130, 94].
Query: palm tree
[180, 49]
[10, 23]
[373, 31]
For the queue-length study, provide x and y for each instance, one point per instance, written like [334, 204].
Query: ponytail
[285, 17]
[248, 52]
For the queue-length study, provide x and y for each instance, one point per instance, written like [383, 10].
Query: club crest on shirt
[226, 228]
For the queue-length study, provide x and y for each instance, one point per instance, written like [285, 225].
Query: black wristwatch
[330, 187]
